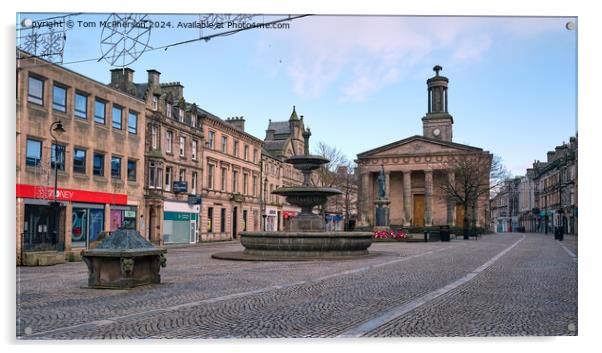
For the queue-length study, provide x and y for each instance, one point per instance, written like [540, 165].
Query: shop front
[74, 221]
[287, 216]
[334, 222]
[271, 220]
[180, 223]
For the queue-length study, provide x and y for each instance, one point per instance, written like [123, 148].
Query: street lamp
[56, 127]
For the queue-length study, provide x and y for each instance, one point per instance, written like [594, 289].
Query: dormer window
[193, 120]
[155, 103]
[181, 115]
[168, 110]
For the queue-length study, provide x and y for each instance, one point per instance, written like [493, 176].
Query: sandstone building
[417, 167]
[98, 160]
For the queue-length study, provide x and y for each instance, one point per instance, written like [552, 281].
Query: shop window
[33, 152]
[223, 220]
[210, 220]
[35, 90]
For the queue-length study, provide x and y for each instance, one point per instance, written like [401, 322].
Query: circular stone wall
[282, 246]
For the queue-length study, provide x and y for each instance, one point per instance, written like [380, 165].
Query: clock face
[436, 132]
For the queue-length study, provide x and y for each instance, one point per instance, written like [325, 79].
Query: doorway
[459, 216]
[418, 211]
[234, 222]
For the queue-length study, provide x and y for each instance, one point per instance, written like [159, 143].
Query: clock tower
[437, 123]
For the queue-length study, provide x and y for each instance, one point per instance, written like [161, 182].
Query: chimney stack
[238, 122]
[154, 77]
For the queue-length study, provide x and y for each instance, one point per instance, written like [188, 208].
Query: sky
[360, 81]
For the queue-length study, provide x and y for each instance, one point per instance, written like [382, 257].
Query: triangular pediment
[417, 145]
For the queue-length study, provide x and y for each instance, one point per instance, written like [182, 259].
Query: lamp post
[265, 201]
[56, 127]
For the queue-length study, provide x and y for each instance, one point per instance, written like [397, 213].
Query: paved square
[502, 284]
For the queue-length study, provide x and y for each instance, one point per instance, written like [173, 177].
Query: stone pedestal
[381, 213]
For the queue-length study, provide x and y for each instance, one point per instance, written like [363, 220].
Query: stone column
[107, 218]
[388, 185]
[428, 198]
[451, 205]
[407, 198]
[68, 225]
[365, 204]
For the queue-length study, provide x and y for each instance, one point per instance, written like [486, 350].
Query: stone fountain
[305, 237]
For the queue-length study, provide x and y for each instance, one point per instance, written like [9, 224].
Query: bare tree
[475, 175]
[327, 175]
[339, 173]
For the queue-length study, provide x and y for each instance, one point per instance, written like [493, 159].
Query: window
[254, 155]
[235, 152]
[234, 181]
[168, 141]
[155, 103]
[116, 167]
[223, 220]
[193, 119]
[59, 98]
[33, 153]
[223, 179]
[245, 181]
[194, 143]
[211, 139]
[81, 105]
[154, 137]
[98, 164]
[210, 168]
[168, 172]
[246, 153]
[210, 220]
[182, 175]
[79, 160]
[254, 185]
[181, 115]
[154, 176]
[131, 170]
[35, 90]
[132, 122]
[99, 111]
[168, 110]
[117, 116]
[57, 157]
[194, 178]
[224, 144]
[182, 146]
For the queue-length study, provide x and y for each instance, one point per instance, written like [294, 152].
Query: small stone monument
[382, 203]
[124, 260]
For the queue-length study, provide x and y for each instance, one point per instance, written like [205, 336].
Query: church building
[417, 170]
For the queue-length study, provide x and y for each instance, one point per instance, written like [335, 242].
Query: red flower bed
[390, 234]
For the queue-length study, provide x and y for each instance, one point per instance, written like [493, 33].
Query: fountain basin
[307, 162]
[295, 246]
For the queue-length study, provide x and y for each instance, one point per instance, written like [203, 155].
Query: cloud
[360, 55]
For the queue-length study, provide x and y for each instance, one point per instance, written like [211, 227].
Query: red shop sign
[47, 193]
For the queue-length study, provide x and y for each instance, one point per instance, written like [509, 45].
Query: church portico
[417, 170]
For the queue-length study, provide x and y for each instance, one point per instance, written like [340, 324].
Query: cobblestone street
[502, 284]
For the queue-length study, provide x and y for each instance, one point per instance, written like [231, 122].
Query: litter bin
[444, 233]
